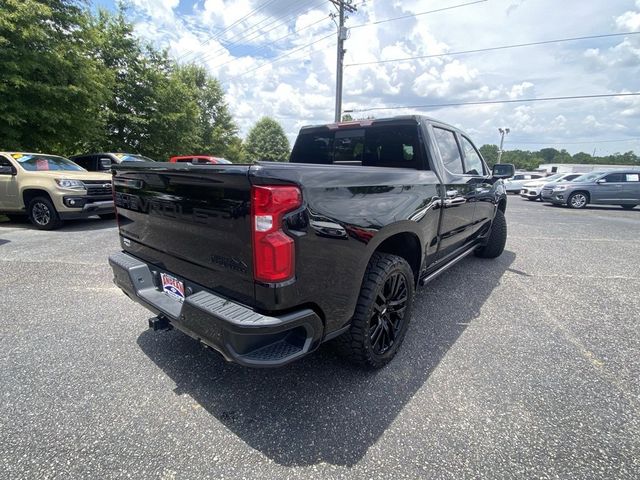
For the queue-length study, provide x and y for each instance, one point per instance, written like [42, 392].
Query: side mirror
[600, 181]
[6, 170]
[105, 163]
[503, 170]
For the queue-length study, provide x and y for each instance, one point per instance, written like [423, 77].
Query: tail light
[273, 250]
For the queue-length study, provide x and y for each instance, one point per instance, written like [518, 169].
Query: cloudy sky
[259, 50]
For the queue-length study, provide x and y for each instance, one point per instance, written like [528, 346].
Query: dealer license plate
[172, 287]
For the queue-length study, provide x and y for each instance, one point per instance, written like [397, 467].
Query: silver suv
[621, 187]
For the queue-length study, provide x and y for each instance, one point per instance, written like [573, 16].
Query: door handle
[453, 199]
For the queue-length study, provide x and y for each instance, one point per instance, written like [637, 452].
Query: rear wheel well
[405, 245]
[32, 193]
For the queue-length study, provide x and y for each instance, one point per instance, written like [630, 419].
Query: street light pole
[503, 132]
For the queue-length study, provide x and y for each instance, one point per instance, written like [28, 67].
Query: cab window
[449, 151]
[615, 178]
[6, 163]
[472, 161]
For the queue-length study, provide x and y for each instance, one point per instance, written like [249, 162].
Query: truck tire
[382, 314]
[43, 214]
[497, 238]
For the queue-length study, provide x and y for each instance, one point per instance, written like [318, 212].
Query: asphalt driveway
[525, 366]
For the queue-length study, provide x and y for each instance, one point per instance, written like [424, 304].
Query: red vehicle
[198, 159]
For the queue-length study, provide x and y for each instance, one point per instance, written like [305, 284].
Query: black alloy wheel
[381, 319]
[387, 317]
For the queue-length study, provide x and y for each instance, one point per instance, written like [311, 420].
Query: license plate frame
[172, 287]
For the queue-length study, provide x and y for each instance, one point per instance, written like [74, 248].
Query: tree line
[528, 160]
[74, 81]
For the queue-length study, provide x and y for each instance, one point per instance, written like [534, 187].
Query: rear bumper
[239, 333]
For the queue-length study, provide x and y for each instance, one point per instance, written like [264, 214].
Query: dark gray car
[620, 187]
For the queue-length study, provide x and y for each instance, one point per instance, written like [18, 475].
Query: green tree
[52, 87]
[174, 126]
[138, 73]
[267, 141]
[234, 151]
[157, 107]
[549, 155]
[215, 127]
[490, 154]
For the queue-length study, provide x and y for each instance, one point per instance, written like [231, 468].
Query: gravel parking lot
[525, 366]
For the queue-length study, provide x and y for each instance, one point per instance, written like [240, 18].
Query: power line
[377, 22]
[489, 49]
[285, 55]
[255, 32]
[357, 26]
[493, 102]
[219, 34]
[620, 140]
[275, 41]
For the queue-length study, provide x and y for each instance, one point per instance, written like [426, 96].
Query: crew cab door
[8, 186]
[483, 194]
[459, 192]
[609, 188]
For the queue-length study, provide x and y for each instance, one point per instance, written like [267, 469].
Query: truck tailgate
[191, 220]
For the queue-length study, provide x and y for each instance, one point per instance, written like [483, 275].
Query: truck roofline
[373, 121]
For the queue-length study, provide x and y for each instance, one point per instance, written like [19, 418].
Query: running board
[427, 278]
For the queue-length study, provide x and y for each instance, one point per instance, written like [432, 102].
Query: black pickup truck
[265, 262]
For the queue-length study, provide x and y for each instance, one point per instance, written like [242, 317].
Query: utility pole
[503, 132]
[342, 6]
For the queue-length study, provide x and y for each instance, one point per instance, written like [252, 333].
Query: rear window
[384, 146]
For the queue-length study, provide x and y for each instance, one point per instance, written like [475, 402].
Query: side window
[348, 147]
[449, 151]
[518, 177]
[633, 177]
[6, 163]
[616, 178]
[472, 161]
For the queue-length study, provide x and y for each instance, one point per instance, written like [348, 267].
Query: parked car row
[515, 183]
[619, 187]
[532, 190]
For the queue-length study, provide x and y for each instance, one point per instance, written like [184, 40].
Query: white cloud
[299, 89]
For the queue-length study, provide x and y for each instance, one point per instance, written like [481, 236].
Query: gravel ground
[521, 367]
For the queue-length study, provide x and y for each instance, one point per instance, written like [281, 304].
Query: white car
[515, 183]
[533, 190]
